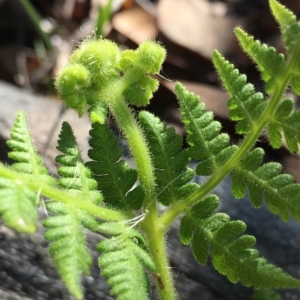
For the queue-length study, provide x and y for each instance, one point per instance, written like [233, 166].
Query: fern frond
[245, 106]
[268, 61]
[74, 175]
[232, 253]
[66, 227]
[290, 30]
[266, 294]
[203, 133]
[287, 122]
[282, 195]
[68, 249]
[18, 203]
[289, 27]
[24, 153]
[171, 174]
[123, 262]
[115, 179]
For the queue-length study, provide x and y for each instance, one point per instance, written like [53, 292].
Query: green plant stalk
[62, 196]
[137, 144]
[35, 18]
[152, 228]
[178, 207]
[155, 234]
[104, 14]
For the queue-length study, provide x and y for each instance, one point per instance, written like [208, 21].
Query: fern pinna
[170, 161]
[66, 226]
[120, 203]
[18, 203]
[124, 261]
[115, 178]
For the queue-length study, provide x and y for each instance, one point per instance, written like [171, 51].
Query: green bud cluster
[99, 68]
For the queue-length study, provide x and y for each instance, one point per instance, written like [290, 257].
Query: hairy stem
[138, 147]
[154, 232]
[61, 195]
[178, 207]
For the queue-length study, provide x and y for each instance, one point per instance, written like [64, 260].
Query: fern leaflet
[115, 179]
[268, 61]
[287, 122]
[245, 106]
[203, 133]
[281, 193]
[66, 227]
[74, 175]
[17, 202]
[290, 30]
[232, 254]
[169, 160]
[289, 26]
[18, 205]
[24, 153]
[124, 260]
[266, 294]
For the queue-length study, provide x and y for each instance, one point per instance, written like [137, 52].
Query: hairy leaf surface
[24, 152]
[115, 179]
[290, 30]
[269, 63]
[206, 142]
[266, 294]
[169, 160]
[18, 203]
[282, 195]
[245, 106]
[285, 122]
[123, 262]
[66, 227]
[232, 253]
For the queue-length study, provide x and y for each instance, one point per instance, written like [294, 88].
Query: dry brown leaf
[199, 25]
[136, 24]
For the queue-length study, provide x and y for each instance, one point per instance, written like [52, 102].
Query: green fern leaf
[74, 175]
[98, 112]
[66, 227]
[266, 294]
[232, 253]
[172, 175]
[245, 106]
[17, 202]
[281, 194]
[18, 206]
[290, 30]
[286, 122]
[203, 133]
[24, 153]
[115, 179]
[123, 262]
[68, 247]
[268, 61]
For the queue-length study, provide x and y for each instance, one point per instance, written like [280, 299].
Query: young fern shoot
[106, 196]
